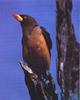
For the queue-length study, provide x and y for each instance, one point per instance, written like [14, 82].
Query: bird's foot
[25, 67]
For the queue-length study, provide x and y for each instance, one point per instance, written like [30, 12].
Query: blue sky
[12, 85]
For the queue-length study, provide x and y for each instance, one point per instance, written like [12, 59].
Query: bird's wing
[47, 37]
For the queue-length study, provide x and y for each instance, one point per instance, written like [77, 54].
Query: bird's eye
[25, 17]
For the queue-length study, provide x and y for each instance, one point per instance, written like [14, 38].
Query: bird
[36, 44]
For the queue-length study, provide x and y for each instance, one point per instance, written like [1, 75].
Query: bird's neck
[27, 30]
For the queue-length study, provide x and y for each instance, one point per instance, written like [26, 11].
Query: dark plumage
[36, 44]
[47, 38]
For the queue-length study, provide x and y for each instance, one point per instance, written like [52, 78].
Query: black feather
[47, 37]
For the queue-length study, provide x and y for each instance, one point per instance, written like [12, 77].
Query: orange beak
[18, 17]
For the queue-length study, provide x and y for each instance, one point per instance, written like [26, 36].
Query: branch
[39, 88]
[68, 51]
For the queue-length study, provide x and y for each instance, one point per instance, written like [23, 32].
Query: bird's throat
[27, 30]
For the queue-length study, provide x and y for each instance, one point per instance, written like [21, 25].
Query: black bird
[36, 44]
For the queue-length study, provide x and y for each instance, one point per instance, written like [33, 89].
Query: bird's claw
[25, 67]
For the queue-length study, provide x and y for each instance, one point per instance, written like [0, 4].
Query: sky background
[12, 85]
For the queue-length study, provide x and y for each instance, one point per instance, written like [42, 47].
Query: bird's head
[25, 20]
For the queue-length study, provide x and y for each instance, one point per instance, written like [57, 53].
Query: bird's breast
[37, 44]
[35, 50]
